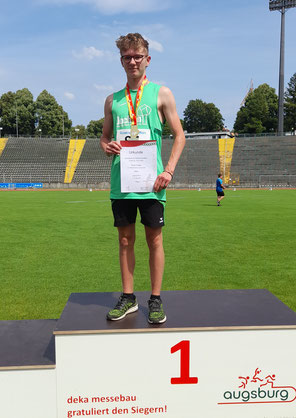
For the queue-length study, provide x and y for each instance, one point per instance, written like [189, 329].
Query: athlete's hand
[112, 148]
[162, 181]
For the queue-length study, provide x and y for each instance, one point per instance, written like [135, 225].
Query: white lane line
[78, 201]
[86, 201]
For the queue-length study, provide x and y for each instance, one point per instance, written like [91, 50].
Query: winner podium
[221, 353]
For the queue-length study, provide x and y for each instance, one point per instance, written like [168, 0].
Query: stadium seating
[93, 167]
[33, 160]
[271, 157]
[255, 161]
[198, 165]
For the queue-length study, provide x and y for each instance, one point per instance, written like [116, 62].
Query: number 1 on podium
[184, 379]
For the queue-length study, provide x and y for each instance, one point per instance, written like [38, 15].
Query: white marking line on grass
[226, 196]
[78, 201]
[231, 197]
[86, 201]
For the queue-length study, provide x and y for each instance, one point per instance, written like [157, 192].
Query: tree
[202, 117]
[81, 133]
[166, 129]
[17, 112]
[50, 116]
[8, 113]
[25, 108]
[259, 112]
[95, 128]
[290, 105]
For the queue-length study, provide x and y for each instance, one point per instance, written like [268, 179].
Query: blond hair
[132, 40]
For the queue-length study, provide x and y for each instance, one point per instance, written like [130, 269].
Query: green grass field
[54, 243]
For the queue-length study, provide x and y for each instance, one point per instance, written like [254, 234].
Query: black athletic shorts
[125, 212]
[220, 193]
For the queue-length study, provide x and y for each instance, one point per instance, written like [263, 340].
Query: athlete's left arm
[167, 109]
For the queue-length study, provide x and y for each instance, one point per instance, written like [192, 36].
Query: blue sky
[208, 50]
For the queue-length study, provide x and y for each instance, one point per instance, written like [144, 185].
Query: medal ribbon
[131, 109]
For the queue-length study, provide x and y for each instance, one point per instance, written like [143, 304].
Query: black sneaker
[123, 307]
[156, 312]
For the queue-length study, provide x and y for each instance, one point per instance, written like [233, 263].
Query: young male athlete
[219, 189]
[141, 108]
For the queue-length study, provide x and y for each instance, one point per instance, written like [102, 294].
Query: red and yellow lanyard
[132, 111]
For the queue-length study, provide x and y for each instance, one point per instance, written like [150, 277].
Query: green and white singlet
[149, 124]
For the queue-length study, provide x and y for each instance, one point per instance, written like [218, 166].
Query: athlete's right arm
[109, 147]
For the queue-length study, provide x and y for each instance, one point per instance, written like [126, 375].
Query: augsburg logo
[260, 388]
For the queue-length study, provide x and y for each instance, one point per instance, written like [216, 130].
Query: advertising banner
[21, 185]
[221, 374]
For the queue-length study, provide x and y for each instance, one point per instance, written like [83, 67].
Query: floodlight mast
[281, 5]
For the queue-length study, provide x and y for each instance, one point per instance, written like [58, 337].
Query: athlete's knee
[126, 241]
[154, 239]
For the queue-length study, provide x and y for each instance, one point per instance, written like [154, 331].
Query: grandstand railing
[192, 135]
[277, 180]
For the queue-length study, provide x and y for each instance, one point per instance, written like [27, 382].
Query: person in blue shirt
[219, 189]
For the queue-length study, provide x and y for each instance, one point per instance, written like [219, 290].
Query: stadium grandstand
[80, 163]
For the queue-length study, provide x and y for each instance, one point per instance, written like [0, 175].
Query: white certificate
[138, 166]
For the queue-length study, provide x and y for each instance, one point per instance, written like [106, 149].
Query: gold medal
[134, 131]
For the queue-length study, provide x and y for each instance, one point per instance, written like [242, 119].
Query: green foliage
[25, 106]
[202, 117]
[51, 117]
[21, 115]
[95, 128]
[166, 131]
[290, 105]
[17, 112]
[81, 133]
[52, 248]
[8, 113]
[259, 113]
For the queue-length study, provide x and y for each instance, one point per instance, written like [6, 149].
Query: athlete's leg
[156, 257]
[127, 237]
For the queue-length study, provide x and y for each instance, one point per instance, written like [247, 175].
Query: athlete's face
[135, 62]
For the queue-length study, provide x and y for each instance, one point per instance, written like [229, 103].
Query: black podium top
[27, 344]
[204, 310]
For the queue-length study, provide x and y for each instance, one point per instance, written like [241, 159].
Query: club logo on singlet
[142, 117]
